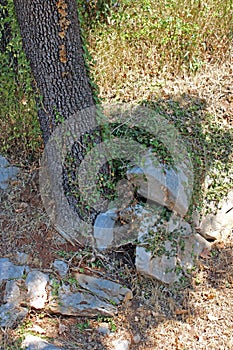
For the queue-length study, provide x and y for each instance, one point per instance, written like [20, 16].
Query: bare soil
[195, 314]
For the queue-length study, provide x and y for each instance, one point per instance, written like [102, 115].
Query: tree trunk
[52, 43]
[51, 40]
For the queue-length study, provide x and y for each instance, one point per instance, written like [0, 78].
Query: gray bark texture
[51, 40]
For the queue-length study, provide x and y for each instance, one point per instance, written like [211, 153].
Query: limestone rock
[179, 248]
[161, 267]
[163, 185]
[61, 267]
[220, 225]
[32, 342]
[9, 270]
[36, 283]
[80, 304]
[121, 344]
[10, 315]
[110, 233]
[12, 293]
[22, 258]
[103, 229]
[103, 328]
[193, 246]
[108, 290]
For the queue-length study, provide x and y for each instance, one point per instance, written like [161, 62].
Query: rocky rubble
[172, 253]
[23, 288]
[167, 248]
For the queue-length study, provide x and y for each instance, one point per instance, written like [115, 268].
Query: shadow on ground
[169, 317]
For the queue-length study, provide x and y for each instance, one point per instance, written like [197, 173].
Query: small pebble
[136, 338]
[103, 328]
[121, 344]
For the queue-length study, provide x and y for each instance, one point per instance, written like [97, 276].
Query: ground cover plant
[176, 58]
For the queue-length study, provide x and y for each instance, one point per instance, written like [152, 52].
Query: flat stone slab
[32, 342]
[111, 291]
[80, 304]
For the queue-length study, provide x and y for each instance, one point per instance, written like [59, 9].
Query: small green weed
[108, 320]
[18, 116]
[82, 326]
[55, 287]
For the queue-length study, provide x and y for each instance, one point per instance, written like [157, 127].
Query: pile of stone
[24, 288]
[182, 243]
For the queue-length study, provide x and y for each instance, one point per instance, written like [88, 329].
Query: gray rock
[61, 267]
[110, 233]
[4, 162]
[10, 315]
[121, 344]
[163, 185]
[111, 291]
[219, 225]
[9, 270]
[80, 304]
[7, 173]
[162, 268]
[103, 328]
[179, 251]
[193, 245]
[104, 228]
[32, 342]
[22, 258]
[12, 293]
[36, 283]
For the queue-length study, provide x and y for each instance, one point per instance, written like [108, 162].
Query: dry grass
[144, 41]
[178, 53]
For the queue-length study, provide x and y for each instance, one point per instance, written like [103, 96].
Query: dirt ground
[196, 313]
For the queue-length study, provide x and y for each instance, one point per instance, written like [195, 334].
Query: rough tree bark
[51, 40]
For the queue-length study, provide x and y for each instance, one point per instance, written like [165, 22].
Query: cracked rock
[111, 291]
[80, 304]
[166, 186]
